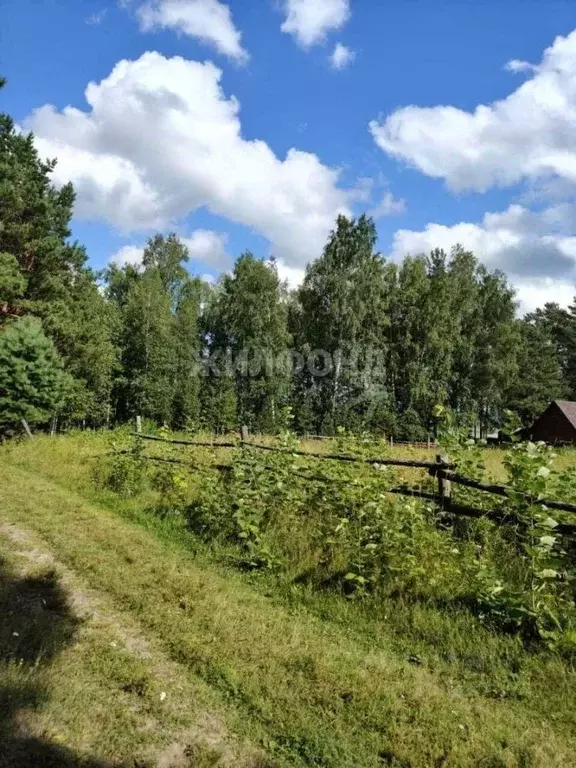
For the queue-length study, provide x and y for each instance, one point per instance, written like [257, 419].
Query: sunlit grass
[312, 678]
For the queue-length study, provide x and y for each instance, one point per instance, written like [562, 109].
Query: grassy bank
[304, 675]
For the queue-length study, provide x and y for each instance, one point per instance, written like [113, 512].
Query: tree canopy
[363, 343]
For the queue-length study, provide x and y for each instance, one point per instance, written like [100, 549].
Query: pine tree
[35, 218]
[12, 287]
[33, 384]
[43, 274]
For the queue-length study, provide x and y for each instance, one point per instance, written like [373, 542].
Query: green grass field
[125, 641]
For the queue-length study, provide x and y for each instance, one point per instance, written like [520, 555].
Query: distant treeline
[362, 344]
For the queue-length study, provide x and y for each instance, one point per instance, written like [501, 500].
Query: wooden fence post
[444, 485]
[391, 442]
[139, 424]
[27, 428]
[243, 434]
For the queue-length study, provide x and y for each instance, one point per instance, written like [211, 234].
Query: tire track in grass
[205, 740]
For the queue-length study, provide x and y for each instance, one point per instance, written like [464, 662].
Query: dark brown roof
[568, 408]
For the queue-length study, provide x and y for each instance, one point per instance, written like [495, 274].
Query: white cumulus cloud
[309, 21]
[517, 65]
[128, 254]
[207, 20]
[388, 206]
[529, 135]
[204, 245]
[292, 276]
[160, 139]
[209, 248]
[531, 295]
[341, 57]
[536, 249]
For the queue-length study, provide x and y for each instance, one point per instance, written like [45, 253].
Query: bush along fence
[333, 519]
[442, 469]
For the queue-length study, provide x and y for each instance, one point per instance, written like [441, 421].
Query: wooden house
[556, 425]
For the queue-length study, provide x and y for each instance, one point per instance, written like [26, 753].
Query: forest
[363, 344]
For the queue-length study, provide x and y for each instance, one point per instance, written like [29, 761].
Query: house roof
[568, 408]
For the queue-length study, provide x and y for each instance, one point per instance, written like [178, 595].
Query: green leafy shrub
[330, 529]
[124, 471]
[173, 487]
[548, 602]
[238, 507]
[333, 525]
[126, 476]
[524, 576]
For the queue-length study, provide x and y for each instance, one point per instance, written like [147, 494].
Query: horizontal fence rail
[311, 454]
[175, 441]
[499, 490]
[392, 442]
[496, 515]
[442, 469]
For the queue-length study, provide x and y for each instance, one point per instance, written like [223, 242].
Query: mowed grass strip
[80, 686]
[311, 691]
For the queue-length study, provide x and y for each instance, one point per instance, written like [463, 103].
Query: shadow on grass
[36, 623]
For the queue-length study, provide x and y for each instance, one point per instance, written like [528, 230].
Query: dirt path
[205, 741]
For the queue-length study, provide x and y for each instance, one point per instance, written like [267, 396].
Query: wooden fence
[442, 469]
[428, 444]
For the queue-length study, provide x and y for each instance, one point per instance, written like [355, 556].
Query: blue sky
[262, 147]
